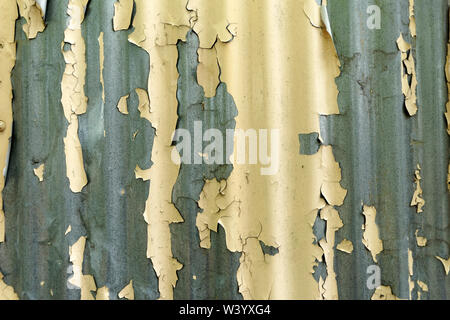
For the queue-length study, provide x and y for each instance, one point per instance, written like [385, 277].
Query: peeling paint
[8, 16]
[84, 282]
[248, 201]
[345, 246]
[127, 292]
[102, 293]
[123, 10]
[39, 172]
[102, 62]
[421, 241]
[122, 104]
[371, 236]
[7, 292]
[73, 98]
[34, 16]
[208, 71]
[334, 223]
[417, 199]
[409, 87]
[411, 273]
[384, 293]
[445, 264]
[423, 286]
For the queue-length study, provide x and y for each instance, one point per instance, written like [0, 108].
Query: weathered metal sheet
[156, 229]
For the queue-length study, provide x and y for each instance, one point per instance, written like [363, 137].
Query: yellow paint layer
[34, 16]
[292, 82]
[423, 286]
[85, 282]
[102, 63]
[281, 73]
[7, 292]
[384, 293]
[445, 263]
[39, 172]
[8, 16]
[412, 19]
[411, 273]
[73, 99]
[208, 71]
[371, 236]
[123, 10]
[334, 223]
[417, 199]
[421, 241]
[127, 292]
[409, 88]
[345, 246]
[122, 104]
[158, 25]
[102, 293]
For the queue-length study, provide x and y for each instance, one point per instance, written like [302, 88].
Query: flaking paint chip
[371, 237]
[127, 292]
[122, 105]
[39, 172]
[345, 246]
[445, 263]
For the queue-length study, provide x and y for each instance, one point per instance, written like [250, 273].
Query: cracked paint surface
[8, 16]
[122, 14]
[291, 235]
[249, 201]
[73, 97]
[34, 16]
[417, 199]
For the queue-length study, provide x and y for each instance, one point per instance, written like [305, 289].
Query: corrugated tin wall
[94, 207]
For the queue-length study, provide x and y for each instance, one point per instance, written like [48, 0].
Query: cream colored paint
[334, 223]
[122, 104]
[102, 293]
[384, 293]
[345, 246]
[85, 282]
[371, 235]
[127, 292]
[34, 16]
[39, 172]
[417, 199]
[73, 98]
[445, 264]
[8, 16]
[6, 292]
[407, 61]
[411, 273]
[123, 10]
[421, 241]
[102, 62]
[294, 66]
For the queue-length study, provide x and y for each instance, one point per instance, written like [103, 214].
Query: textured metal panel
[377, 144]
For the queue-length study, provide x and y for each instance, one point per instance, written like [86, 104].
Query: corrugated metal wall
[377, 144]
